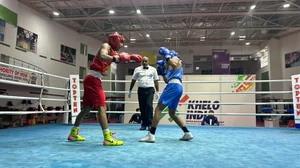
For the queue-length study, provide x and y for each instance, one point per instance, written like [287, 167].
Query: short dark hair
[137, 109]
[210, 111]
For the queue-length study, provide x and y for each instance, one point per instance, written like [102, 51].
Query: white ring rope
[41, 94]
[232, 81]
[30, 85]
[30, 98]
[42, 87]
[199, 103]
[31, 112]
[208, 93]
[229, 114]
[134, 112]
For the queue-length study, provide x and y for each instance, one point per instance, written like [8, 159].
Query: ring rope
[208, 93]
[31, 112]
[31, 70]
[231, 114]
[41, 94]
[29, 98]
[242, 103]
[134, 112]
[233, 81]
[30, 85]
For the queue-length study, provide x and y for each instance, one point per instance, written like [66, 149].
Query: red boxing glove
[123, 57]
[137, 58]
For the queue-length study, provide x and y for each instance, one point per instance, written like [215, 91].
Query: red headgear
[114, 40]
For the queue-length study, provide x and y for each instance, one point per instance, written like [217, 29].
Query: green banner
[8, 16]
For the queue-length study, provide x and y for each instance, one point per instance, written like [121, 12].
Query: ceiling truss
[188, 22]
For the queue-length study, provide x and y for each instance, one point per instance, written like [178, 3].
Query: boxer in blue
[171, 94]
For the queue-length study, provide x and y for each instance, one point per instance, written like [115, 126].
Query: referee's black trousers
[145, 96]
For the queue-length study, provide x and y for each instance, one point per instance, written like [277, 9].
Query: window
[265, 86]
[83, 49]
[82, 72]
[4, 59]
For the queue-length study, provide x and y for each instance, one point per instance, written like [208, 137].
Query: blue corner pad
[290, 111]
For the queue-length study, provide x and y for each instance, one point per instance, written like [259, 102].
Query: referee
[147, 78]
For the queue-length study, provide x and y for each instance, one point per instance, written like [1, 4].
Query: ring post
[67, 108]
[41, 94]
[75, 96]
[296, 98]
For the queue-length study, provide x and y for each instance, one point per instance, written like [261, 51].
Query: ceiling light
[232, 33]
[168, 38]
[241, 39]
[138, 11]
[286, 5]
[242, 36]
[55, 13]
[253, 7]
[147, 35]
[248, 43]
[132, 39]
[111, 11]
[125, 46]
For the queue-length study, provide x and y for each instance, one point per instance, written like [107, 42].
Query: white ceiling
[176, 21]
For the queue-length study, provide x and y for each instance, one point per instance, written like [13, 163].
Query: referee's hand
[129, 94]
[156, 95]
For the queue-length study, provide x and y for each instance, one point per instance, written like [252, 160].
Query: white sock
[106, 130]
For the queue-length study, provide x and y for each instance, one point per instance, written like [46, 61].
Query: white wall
[277, 49]
[50, 37]
[186, 53]
[289, 44]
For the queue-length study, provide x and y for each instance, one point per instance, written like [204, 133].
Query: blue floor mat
[46, 146]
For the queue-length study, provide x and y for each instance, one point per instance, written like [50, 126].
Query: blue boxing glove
[174, 54]
[161, 68]
[163, 51]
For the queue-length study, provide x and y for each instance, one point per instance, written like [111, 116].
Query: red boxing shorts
[93, 92]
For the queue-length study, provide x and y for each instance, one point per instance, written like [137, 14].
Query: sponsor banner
[296, 96]
[196, 106]
[221, 62]
[16, 75]
[75, 96]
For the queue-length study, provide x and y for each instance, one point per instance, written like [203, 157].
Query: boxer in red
[93, 92]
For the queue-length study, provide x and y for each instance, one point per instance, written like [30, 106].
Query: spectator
[210, 119]
[136, 118]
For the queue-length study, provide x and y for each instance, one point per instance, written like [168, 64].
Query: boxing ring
[46, 145]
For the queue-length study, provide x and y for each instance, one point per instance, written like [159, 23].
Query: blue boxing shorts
[171, 95]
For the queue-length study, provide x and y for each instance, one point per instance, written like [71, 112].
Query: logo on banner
[196, 109]
[296, 96]
[75, 94]
[243, 86]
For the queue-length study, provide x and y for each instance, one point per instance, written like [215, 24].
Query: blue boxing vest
[175, 74]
